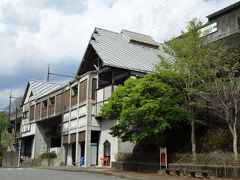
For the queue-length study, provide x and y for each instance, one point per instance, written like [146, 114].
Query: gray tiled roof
[41, 88]
[221, 11]
[115, 50]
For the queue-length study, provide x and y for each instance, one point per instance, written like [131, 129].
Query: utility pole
[15, 126]
[48, 73]
[55, 74]
[16, 114]
[10, 104]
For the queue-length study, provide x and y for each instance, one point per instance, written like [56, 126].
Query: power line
[182, 17]
[56, 74]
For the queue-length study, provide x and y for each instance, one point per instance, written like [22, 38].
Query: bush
[213, 158]
[49, 155]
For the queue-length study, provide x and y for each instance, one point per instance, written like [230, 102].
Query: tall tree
[4, 124]
[145, 108]
[189, 59]
[223, 92]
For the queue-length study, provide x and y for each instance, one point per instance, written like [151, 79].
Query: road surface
[43, 174]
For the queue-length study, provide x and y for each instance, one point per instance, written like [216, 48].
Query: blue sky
[36, 33]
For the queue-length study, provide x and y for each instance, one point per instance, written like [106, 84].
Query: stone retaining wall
[135, 166]
[214, 171]
[10, 159]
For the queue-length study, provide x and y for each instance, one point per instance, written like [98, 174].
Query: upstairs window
[74, 90]
[44, 104]
[83, 91]
[52, 101]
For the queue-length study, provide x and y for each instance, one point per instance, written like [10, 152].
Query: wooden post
[163, 157]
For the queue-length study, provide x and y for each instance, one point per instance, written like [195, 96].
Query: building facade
[66, 118]
[224, 25]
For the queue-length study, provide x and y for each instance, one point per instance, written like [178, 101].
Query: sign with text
[208, 29]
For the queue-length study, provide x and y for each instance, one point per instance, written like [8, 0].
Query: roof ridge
[44, 81]
[106, 30]
[136, 33]
[224, 9]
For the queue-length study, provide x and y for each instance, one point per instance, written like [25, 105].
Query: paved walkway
[124, 174]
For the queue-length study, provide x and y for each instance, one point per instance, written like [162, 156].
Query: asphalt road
[43, 174]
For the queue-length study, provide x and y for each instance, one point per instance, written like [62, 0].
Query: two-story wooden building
[66, 118]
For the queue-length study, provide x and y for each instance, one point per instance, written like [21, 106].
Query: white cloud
[41, 33]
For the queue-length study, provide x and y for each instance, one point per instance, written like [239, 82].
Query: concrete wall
[40, 141]
[104, 135]
[139, 167]
[125, 147]
[227, 25]
[10, 159]
[214, 171]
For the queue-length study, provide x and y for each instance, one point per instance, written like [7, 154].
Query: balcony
[102, 97]
[44, 113]
[51, 110]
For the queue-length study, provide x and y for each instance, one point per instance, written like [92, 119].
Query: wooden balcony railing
[44, 113]
[51, 111]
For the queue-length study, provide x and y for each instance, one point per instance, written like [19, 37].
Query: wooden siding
[51, 107]
[94, 87]
[44, 113]
[65, 139]
[44, 109]
[58, 103]
[65, 100]
[81, 136]
[32, 111]
[73, 138]
[51, 110]
[83, 91]
[74, 100]
[38, 111]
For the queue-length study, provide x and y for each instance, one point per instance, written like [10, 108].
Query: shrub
[49, 155]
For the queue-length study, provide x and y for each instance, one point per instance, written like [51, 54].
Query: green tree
[145, 108]
[4, 124]
[223, 92]
[188, 59]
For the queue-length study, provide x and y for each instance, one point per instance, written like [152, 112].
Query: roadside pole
[19, 153]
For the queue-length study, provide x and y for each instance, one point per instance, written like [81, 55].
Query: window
[94, 87]
[44, 104]
[83, 91]
[52, 101]
[32, 108]
[74, 90]
[25, 115]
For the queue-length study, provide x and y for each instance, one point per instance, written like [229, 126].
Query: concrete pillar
[69, 155]
[77, 152]
[33, 149]
[87, 160]
[88, 124]
[41, 142]
[63, 154]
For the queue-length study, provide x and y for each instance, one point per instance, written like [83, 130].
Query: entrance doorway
[106, 153]
[74, 154]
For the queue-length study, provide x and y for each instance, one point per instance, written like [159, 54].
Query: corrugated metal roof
[41, 88]
[115, 50]
[237, 4]
[142, 38]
